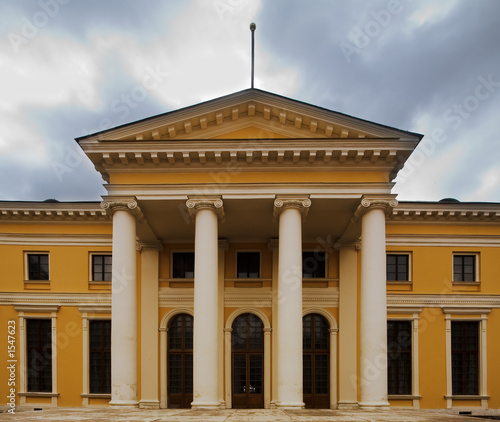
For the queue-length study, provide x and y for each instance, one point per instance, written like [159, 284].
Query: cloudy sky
[73, 67]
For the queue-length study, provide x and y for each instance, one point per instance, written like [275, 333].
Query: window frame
[181, 251]
[91, 266]
[408, 350]
[408, 269]
[476, 256]
[467, 314]
[325, 261]
[36, 312]
[27, 278]
[242, 251]
[412, 315]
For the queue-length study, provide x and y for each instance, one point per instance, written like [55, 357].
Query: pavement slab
[107, 414]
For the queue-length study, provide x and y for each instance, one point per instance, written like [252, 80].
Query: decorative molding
[442, 212]
[198, 202]
[51, 299]
[154, 246]
[448, 311]
[223, 244]
[91, 309]
[347, 245]
[273, 244]
[52, 212]
[113, 204]
[48, 239]
[443, 300]
[300, 202]
[37, 308]
[450, 240]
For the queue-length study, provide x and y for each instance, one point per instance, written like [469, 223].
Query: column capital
[347, 245]
[199, 202]
[155, 246]
[111, 205]
[300, 202]
[369, 202]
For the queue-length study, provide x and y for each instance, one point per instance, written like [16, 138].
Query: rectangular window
[39, 355]
[183, 265]
[465, 357]
[399, 357]
[38, 266]
[313, 264]
[464, 268]
[101, 267]
[100, 356]
[398, 267]
[248, 264]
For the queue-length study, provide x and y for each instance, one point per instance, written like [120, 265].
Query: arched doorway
[180, 361]
[247, 359]
[316, 361]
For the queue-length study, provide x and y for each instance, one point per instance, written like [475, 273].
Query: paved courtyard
[231, 415]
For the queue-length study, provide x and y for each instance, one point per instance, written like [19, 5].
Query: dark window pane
[464, 268]
[399, 357]
[465, 357]
[313, 264]
[397, 267]
[248, 264]
[180, 355]
[183, 265]
[39, 355]
[101, 267]
[100, 356]
[38, 266]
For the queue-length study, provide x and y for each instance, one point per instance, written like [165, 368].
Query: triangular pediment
[254, 128]
[271, 114]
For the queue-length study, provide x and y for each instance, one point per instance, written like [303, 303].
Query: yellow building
[249, 253]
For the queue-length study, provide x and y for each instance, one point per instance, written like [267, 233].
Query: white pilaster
[124, 302]
[149, 324]
[373, 303]
[348, 323]
[290, 209]
[205, 338]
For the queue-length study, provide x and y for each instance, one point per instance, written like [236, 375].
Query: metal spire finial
[252, 28]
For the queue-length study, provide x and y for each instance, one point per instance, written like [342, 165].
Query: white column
[290, 210]
[149, 324]
[123, 303]
[205, 336]
[373, 304]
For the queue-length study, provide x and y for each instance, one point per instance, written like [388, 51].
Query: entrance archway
[247, 361]
[316, 361]
[180, 361]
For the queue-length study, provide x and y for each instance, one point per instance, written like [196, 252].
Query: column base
[149, 404]
[374, 405]
[124, 403]
[290, 405]
[206, 405]
[348, 405]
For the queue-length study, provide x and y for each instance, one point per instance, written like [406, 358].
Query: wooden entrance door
[316, 358]
[180, 361]
[247, 340]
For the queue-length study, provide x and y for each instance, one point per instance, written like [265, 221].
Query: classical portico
[248, 170]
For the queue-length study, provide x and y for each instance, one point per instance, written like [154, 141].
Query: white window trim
[85, 310]
[236, 252]
[26, 267]
[42, 312]
[91, 269]
[410, 266]
[476, 256]
[451, 314]
[415, 316]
